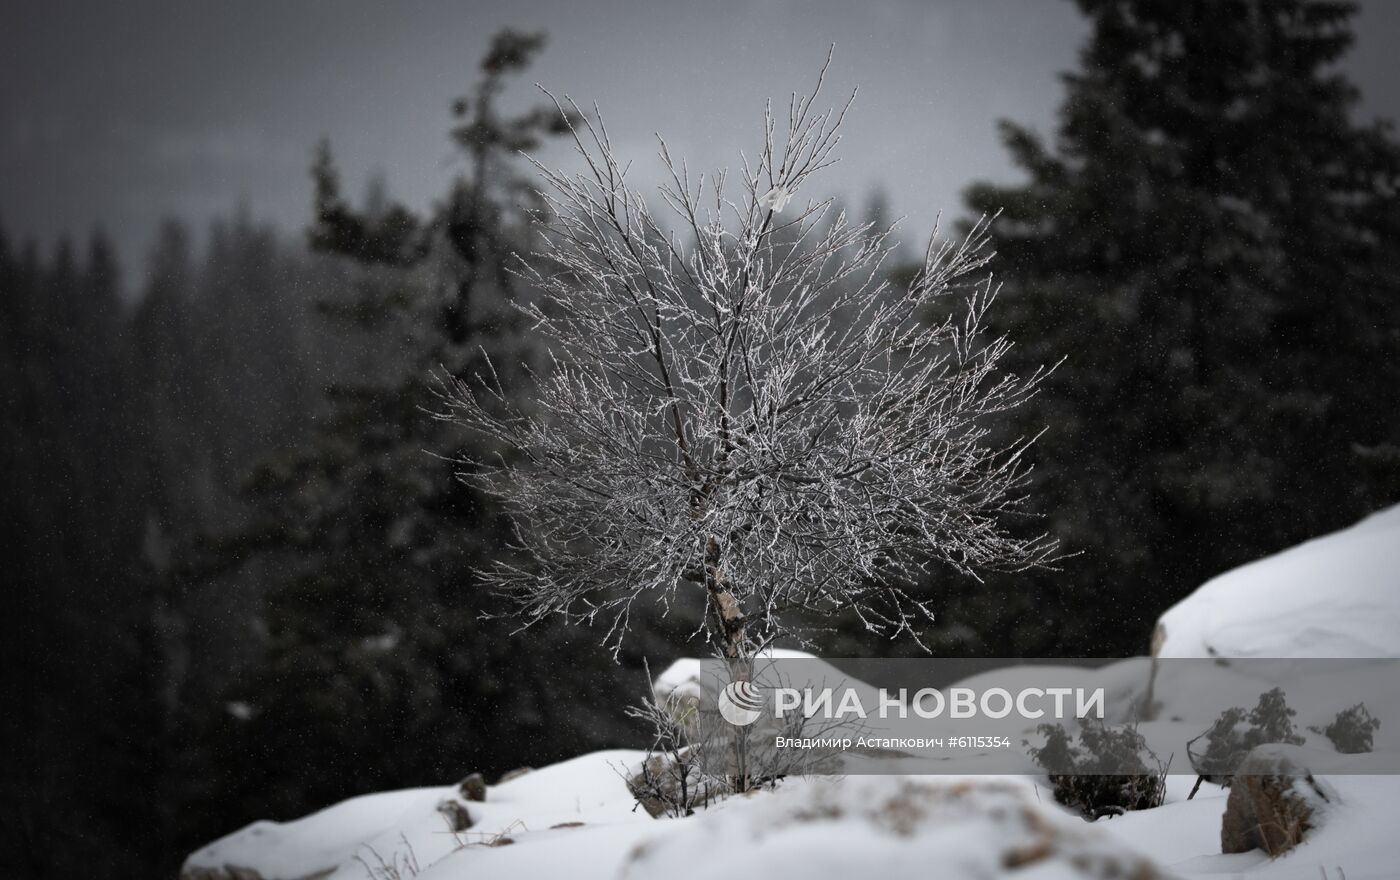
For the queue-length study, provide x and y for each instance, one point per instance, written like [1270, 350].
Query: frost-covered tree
[739, 403]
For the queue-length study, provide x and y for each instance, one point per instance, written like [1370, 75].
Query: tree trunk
[724, 618]
[726, 622]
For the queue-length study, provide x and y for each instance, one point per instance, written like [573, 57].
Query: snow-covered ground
[1183, 836]
[523, 826]
[1337, 596]
[575, 820]
[1334, 596]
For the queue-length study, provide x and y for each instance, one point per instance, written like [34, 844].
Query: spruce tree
[379, 669]
[1213, 237]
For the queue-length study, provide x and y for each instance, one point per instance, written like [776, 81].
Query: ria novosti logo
[740, 703]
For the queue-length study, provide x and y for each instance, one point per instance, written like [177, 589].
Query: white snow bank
[977, 829]
[318, 841]
[1334, 596]
[682, 677]
[406, 825]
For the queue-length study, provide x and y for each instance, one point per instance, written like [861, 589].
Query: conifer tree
[379, 669]
[1213, 237]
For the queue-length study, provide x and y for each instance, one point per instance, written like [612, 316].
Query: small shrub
[1352, 731]
[675, 779]
[697, 758]
[1236, 732]
[1083, 775]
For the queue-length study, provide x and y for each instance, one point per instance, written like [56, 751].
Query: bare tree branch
[742, 402]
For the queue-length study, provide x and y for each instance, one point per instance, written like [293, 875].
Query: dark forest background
[239, 569]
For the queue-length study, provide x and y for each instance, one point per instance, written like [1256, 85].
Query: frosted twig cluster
[739, 402]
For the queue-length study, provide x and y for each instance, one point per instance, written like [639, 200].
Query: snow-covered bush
[1352, 731]
[1236, 732]
[1083, 775]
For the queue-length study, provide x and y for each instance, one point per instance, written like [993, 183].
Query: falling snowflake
[240, 710]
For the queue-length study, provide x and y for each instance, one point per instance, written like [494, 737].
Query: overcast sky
[121, 113]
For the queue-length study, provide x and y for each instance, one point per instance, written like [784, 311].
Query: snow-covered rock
[1275, 802]
[473, 787]
[1334, 596]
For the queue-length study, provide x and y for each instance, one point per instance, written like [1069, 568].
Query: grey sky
[121, 113]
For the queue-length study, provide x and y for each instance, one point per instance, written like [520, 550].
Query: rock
[458, 819]
[656, 788]
[513, 774]
[473, 788]
[1274, 802]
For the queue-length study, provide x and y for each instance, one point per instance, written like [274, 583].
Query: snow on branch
[738, 400]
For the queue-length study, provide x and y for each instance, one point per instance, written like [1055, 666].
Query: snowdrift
[406, 828]
[1334, 596]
